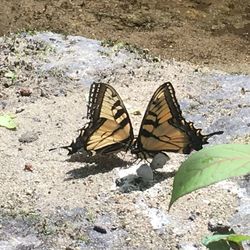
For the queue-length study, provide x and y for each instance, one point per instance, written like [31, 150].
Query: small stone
[193, 215]
[43, 93]
[6, 85]
[60, 92]
[159, 161]
[145, 172]
[28, 137]
[25, 92]
[19, 110]
[28, 167]
[3, 104]
[29, 192]
[100, 229]
[186, 246]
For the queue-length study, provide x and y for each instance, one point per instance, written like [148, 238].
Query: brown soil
[202, 32]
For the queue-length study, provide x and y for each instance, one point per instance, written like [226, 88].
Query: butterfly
[163, 128]
[109, 129]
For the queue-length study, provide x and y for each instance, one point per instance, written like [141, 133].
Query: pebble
[29, 192]
[100, 229]
[19, 110]
[28, 167]
[24, 92]
[159, 161]
[28, 137]
[60, 92]
[187, 246]
[3, 104]
[145, 172]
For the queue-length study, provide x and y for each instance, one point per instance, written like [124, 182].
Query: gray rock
[159, 161]
[145, 172]
[28, 137]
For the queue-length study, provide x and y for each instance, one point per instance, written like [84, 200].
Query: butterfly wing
[163, 127]
[195, 139]
[109, 128]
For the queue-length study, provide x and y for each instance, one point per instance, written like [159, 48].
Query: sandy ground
[68, 203]
[65, 202]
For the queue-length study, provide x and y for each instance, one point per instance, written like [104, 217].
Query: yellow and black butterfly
[163, 128]
[109, 129]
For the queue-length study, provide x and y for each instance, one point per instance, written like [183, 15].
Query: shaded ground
[214, 33]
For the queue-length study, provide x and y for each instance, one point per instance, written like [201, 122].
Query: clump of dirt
[214, 33]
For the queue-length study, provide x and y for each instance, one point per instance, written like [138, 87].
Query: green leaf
[213, 238]
[224, 241]
[210, 165]
[238, 238]
[7, 121]
[219, 245]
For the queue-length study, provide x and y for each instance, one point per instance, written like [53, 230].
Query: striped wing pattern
[163, 127]
[109, 129]
[156, 133]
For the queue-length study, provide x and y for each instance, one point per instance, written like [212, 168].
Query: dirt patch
[214, 33]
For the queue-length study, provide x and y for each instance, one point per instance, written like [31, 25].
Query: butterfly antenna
[215, 133]
[69, 148]
[51, 149]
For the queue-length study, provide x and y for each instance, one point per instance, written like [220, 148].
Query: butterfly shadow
[94, 165]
